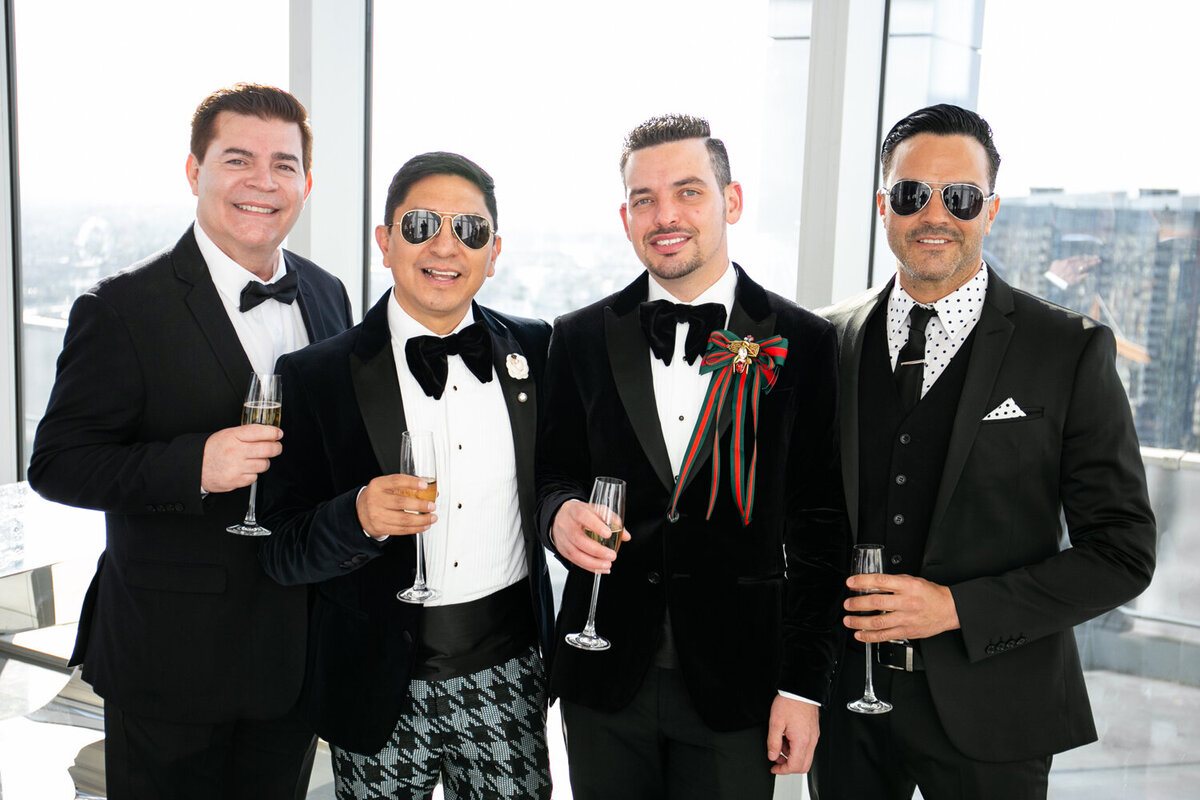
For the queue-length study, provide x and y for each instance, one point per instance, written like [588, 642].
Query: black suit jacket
[752, 608]
[1008, 685]
[343, 416]
[180, 622]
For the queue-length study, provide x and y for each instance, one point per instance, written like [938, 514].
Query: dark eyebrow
[237, 151]
[690, 181]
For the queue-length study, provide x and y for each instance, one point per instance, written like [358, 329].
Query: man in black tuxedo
[972, 416]
[198, 654]
[455, 688]
[721, 630]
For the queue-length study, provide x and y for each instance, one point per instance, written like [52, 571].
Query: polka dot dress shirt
[957, 314]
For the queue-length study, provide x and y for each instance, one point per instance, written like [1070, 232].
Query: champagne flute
[608, 501]
[263, 406]
[417, 458]
[868, 560]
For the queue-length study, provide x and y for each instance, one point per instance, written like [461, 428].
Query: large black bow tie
[660, 318]
[427, 356]
[283, 290]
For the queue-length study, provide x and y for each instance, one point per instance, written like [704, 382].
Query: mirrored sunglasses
[419, 226]
[963, 200]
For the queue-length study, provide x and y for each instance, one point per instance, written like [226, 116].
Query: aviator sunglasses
[961, 199]
[419, 226]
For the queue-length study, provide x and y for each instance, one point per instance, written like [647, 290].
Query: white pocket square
[1006, 410]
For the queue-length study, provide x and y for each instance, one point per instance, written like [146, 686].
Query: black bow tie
[660, 317]
[283, 290]
[427, 356]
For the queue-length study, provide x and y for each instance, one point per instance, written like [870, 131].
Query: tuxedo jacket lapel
[629, 359]
[210, 315]
[992, 335]
[377, 389]
[520, 396]
[850, 342]
[318, 326]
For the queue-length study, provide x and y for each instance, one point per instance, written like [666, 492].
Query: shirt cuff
[791, 696]
[1057, 281]
[364, 530]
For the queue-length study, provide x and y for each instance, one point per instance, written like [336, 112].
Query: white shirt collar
[722, 291]
[403, 327]
[968, 297]
[229, 276]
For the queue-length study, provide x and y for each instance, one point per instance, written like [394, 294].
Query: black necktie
[283, 290]
[427, 356]
[910, 366]
[660, 317]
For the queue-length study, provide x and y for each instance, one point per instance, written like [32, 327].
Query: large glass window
[105, 94]
[542, 101]
[1094, 117]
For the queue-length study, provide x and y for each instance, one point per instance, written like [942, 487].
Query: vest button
[905, 438]
[654, 577]
[901, 479]
[898, 519]
[896, 559]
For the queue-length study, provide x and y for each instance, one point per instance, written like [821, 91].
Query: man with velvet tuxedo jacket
[721, 630]
[198, 654]
[455, 688]
[972, 416]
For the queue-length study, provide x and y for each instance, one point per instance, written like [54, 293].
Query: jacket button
[896, 559]
[673, 517]
[905, 438]
[654, 577]
[901, 479]
[1021, 640]
[898, 519]
[990, 649]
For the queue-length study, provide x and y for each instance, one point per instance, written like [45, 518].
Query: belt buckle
[908, 655]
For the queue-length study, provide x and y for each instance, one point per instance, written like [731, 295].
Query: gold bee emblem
[744, 351]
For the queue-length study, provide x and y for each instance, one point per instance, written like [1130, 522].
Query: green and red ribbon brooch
[747, 368]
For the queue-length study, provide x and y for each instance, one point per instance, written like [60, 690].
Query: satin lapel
[742, 324]
[520, 395]
[209, 312]
[992, 335]
[851, 337]
[373, 374]
[314, 325]
[629, 358]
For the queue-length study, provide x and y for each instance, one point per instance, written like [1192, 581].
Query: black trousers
[658, 747]
[886, 756]
[148, 758]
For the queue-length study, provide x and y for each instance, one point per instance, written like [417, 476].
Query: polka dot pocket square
[1006, 410]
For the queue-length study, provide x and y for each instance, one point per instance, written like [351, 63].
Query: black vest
[901, 456]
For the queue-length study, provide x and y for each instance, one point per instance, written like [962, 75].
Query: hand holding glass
[263, 406]
[608, 502]
[417, 458]
[868, 560]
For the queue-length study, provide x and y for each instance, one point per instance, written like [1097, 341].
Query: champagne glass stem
[251, 518]
[590, 628]
[869, 691]
[419, 583]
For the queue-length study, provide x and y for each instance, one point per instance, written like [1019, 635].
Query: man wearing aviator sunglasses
[973, 415]
[454, 689]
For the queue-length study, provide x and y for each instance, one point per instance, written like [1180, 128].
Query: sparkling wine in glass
[263, 406]
[868, 560]
[608, 502]
[417, 458]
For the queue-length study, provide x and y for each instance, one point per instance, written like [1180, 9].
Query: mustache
[934, 233]
[667, 231]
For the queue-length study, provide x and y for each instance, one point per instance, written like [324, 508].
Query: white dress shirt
[267, 331]
[476, 547]
[679, 389]
[957, 315]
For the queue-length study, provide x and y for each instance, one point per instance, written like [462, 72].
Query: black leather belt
[899, 654]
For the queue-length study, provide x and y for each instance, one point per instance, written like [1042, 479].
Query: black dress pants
[152, 759]
[658, 747]
[886, 756]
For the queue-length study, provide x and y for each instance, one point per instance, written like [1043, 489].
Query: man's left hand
[792, 735]
[915, 608]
